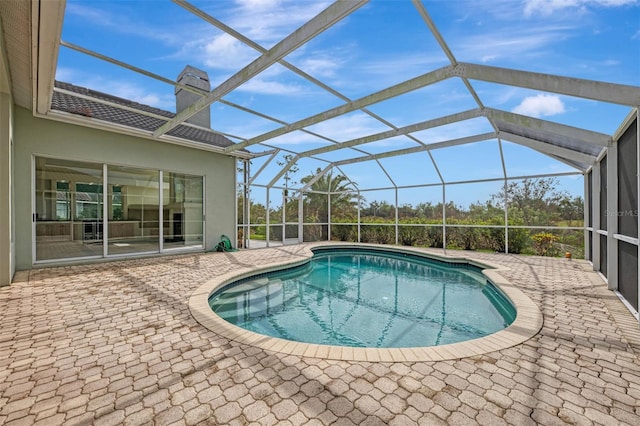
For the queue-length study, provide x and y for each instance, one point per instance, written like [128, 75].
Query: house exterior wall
[7, 248]
[42, 137]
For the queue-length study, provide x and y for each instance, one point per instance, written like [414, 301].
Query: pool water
[365, 298]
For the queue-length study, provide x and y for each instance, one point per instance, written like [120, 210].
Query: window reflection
[134, 210]
[182, 210]
[69, 210]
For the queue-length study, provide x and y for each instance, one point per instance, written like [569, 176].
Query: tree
[571, 208]
[428, 210]
[288, 175]
[343, 199]
[534, 201]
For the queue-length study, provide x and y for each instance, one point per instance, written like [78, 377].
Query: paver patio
[115, 343]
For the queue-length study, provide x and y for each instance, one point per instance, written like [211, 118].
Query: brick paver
[115, 343]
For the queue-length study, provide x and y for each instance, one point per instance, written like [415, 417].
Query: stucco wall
[7, 235]
[36, 136]
[7, 248]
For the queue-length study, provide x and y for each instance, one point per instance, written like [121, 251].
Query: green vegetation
[533, 204]
[545, 244]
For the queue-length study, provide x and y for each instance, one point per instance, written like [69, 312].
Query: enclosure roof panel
[563, 141]
[336, 82]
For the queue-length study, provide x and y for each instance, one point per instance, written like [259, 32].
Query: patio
[115, 343]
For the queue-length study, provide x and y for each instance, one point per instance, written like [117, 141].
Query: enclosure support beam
[396, 204]
[506, 217]
[442, 121]
[284, 170]
[612, 217]
[587, 214]
[267, 236]
[359, 203]
[315, 178]
[329, 214]
[388, 93]
[444, 219]
[587, 136]
[247, 205]
[300, 220]
[547, 148]
[324, 20]
[437, 145]
[596, 216]
[571, 163]
[284, 215]
[266, 163]
[587, 89]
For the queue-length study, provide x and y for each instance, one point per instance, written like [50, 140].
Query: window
[147, 211]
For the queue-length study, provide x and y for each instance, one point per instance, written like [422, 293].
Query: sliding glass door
[182, 210]
[134, 210]
[146, 211]
[68, 209]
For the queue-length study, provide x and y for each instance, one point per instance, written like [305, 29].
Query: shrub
[315, 232]
[344, 232]
[544, 244]
[408, 235]
[518, 240]
[434, 236]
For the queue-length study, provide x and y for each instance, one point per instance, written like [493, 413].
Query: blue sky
[381, 44]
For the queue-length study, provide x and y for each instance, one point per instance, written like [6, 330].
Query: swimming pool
[367, 298]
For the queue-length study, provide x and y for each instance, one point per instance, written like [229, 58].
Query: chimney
[199, 79]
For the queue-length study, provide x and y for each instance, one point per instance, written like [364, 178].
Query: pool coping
[527, 324]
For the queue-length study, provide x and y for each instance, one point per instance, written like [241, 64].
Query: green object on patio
[225, 244]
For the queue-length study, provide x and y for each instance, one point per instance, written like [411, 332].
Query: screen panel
[628, 183]
[628, 272]
[603, 194]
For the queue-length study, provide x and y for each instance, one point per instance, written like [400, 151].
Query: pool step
[260, 296]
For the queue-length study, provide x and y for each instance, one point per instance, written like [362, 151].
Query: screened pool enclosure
[501, 126]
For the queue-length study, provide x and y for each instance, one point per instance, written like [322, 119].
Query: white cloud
[265, 87]
[65, 74]
[540, 106]
[548, 7]
[511, 42]
[488, 58]
[349, 126]
[120, 22]
[259, 4]
[225, 52]
[321, 66]
[119, 88]
[269, 21]
[135, 93]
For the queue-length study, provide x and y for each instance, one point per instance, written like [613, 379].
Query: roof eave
[46, 27]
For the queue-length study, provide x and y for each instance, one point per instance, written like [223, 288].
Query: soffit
[16, 23]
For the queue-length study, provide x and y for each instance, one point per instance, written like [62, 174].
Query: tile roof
[69, 103]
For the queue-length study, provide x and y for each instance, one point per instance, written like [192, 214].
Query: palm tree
[343, 198]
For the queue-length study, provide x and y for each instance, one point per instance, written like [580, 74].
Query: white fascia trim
[46, 31]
